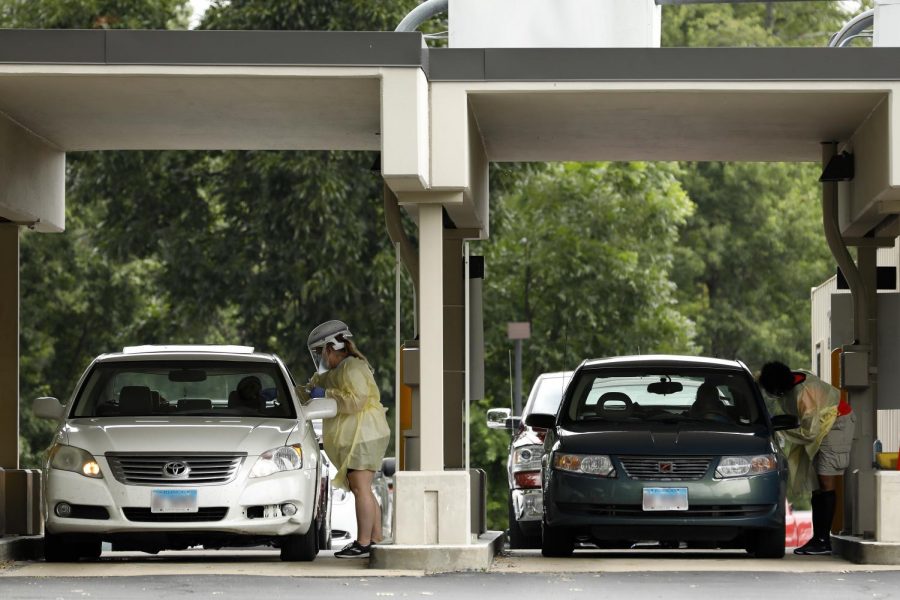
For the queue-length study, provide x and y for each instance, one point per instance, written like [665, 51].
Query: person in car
[819, 449]
[248, 394]
[357, 437]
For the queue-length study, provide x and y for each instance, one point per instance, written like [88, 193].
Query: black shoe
[814, 547]
[354, 550]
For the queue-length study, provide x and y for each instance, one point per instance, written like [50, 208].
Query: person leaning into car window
[357, 437]
[819, 449]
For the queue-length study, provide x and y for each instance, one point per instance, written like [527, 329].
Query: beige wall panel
[32, 179]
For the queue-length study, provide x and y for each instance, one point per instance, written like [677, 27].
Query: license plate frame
[173, 501]
[665, 498]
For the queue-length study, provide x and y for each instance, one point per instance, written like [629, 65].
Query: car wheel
[517, 538]
[58, 549]
[300, 548]
[768, 543]
[556, 541]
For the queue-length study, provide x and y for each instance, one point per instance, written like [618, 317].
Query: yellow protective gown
[357, 437]
[815, 404]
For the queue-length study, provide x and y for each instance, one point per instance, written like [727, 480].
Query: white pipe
[467, 366]
[422, 13]
[853, 28]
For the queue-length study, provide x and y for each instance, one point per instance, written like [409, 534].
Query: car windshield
[184, 388]
[548, 396]
[664, 395]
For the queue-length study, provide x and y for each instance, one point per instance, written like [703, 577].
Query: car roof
[555, 375]
[187, 351]
[660, 360]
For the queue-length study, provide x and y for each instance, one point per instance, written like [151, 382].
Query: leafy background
[258, 247]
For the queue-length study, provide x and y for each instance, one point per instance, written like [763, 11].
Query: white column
[431, 335]
[9, 346]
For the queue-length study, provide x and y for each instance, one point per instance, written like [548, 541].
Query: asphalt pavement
[257, 573]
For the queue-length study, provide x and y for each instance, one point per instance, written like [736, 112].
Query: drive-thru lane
[633, 585]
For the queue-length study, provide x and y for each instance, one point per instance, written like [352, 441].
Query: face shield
[324, 335]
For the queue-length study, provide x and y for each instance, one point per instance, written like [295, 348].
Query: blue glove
[317, 392]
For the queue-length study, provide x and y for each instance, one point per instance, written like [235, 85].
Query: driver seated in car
[708, 405]
[248, 394]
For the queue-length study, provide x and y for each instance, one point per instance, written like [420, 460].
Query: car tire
[302, 547]
[59, 549]
[768, 543]
[518, 539]
[556, 541]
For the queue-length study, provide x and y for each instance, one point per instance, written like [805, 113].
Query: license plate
[177, 501]
[668, 498]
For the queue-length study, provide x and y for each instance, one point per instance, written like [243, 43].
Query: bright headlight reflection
[70, 458]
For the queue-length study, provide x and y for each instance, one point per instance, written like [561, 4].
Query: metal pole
[517, 407]
[467, 365]
[397, 356]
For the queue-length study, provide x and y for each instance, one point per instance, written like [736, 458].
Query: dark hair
[776, 378]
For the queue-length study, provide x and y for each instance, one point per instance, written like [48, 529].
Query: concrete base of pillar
[20, 502]
[21, 548]
[432, 508]
[476, 556]
[865, 551]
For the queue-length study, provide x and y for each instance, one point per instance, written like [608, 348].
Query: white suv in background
[168, 447]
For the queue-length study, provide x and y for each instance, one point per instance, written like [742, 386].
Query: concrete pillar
[431, 334]
[9, 346]
[864, 404]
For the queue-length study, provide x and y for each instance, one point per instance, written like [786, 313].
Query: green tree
[754, 245]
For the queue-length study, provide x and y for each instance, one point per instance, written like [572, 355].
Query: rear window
[184, 388]
[663, 394]
[548, 395]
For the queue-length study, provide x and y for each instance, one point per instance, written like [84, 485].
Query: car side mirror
[320, 408]
[47, 407]
[498, 418]
[540, 420]
[782, 422]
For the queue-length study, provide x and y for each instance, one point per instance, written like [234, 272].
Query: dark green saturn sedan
[663, 449]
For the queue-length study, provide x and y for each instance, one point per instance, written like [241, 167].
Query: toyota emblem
[666, 467]
[176, 469]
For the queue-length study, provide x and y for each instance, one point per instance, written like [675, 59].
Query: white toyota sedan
[170, 447]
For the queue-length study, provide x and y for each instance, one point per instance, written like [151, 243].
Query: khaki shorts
[833, 457]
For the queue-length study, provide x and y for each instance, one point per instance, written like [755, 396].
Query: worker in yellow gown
[356, 438]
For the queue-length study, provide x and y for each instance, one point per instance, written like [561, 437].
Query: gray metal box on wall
[888, 342]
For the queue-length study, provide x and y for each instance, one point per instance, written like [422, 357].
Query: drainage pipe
[407, 251]
[839, 250]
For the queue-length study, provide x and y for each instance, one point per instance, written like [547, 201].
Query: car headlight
[590, 464]
[70, 458]
[527, 458]
[742, 466]
[276, 460]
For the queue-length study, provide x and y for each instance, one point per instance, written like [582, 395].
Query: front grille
[665, 468]
[149, 468]
[207, 513]
[699, 510]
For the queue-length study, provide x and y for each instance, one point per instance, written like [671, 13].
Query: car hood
[182, 434]
[672, 440]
